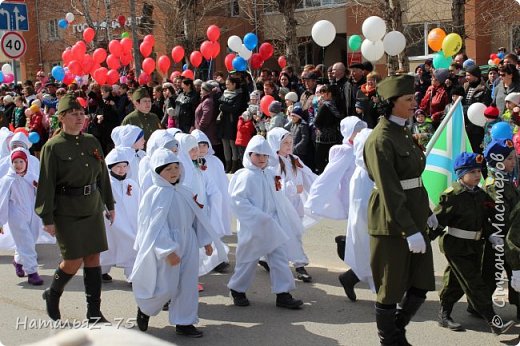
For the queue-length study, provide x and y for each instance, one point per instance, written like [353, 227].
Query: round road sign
[13, 45]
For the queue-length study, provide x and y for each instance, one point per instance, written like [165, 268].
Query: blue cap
[466, 162]
[497, 147]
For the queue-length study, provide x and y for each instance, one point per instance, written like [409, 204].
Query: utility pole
[133, 24]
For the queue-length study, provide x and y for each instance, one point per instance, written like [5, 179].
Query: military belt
[77, 191]
[463, 234]
[409, 184]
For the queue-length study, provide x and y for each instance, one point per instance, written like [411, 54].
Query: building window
[235, 8]
[417, 38]
[53, 29]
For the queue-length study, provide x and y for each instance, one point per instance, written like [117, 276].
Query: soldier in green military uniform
[501, 160]
[401, 259]
[465, 208]
[73, 191]
[141, 116]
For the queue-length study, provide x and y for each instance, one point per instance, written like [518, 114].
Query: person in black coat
[185, 106]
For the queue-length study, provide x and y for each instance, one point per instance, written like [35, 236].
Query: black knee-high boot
[386, 328]
[92, 281]
[52, 294]
[407, 309]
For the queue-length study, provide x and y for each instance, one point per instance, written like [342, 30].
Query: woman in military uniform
[73, 190]
[401, 259]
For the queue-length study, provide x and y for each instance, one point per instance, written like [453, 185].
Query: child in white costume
[20, 140]
[17, 199]
[158, 139]
[172, 228]
[357, 246]
[121, 234]
[207, 195]
[130, 138]
[329, 193]
[264, 214]
[296, 180]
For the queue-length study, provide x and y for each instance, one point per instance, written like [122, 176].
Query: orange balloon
[435, 38]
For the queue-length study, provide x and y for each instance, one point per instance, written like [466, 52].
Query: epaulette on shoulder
[448, 190]
[490, 181]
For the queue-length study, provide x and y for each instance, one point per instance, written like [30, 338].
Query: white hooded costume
[357, 245]
[169, 221]
[158, 139]
[5, 139]
[20, 140]
[124, 137]
[17, 199]
[218, 176]
[121, 234]
[329, 195]
[206, 194]
[264, 215]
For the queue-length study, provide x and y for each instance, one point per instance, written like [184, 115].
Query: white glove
[416, 243]
[515, 280]
[432, 221]
[170, 111]
[496, 241]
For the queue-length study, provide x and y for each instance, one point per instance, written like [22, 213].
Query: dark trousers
[490, 273]
[321, 157]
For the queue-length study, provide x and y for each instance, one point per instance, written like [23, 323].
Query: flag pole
[441, 127]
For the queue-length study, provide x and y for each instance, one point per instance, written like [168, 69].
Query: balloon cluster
[244, 52]
[500, 130]
[377, 40]
[64, 22]
[496, 58]
[6, 75]
[446, 46]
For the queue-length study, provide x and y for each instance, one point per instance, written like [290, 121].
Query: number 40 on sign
[13, 45]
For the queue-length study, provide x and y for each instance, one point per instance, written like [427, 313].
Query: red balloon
[196, 58]
[114, 47]
[493, 56]
[265, 102]
[99, 55]
[88, 34]
[100, 75]
[177, 54]
[121, 20]
[126, 58]
[87, 63]
[113, 62]
[206, 48]
[228, 61]
[163, 64]
[213, 32]
[79, 50]
[282, 62]
[150, 39]
[66, 56]
[75, 67]
[144, 78]
[148, 65]
[175, 74]
[83, 103]
[127, 45]
[215, 50]
[68, 79]
[145, 48]
[22, 130]
[266, 50]
[94, 68]
[256, 61]
[188, 74]
[112, 77]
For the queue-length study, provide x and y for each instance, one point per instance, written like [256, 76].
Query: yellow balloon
[451, 44]
[34, 108]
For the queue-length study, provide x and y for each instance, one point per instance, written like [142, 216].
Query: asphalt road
[328, 317]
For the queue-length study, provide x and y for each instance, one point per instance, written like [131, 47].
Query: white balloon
[234, 43]
[394, 43]
[6, 68]
[69, 17]
[372, 51]
[374, 28]
[323, 33]
[245, 53]
[476, 114]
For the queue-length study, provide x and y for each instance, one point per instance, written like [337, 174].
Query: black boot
[386, 328]
[52, 294]
[234, 166]
[406, 310]
[228, 166]
[286, 300]
[92, 281]
[348, 279]
[446, 321]
[142, 320]
[340, 246]
[239, 298]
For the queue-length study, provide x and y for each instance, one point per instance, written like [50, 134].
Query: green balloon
[354, 42]
[125, 35]
[441, 61]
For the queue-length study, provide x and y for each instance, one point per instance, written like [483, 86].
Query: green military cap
[395, 86]
[68, 102]
[140, 93]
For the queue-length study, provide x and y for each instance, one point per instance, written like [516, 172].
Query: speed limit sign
[13, 45]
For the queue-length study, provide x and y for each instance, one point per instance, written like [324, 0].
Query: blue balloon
[58, 73]
[501, 130]
[1, 76]
[239, 63]
[63, 24]
[34, 137]
[250, 41]
[184, 67]
[501, 55]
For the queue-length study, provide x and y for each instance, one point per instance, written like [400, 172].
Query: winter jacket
[245, 131]
[206, 118]
[434, 102]
[185, 105]
[232, 105]
[301, 137]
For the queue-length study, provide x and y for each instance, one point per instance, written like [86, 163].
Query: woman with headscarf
[436, 98]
